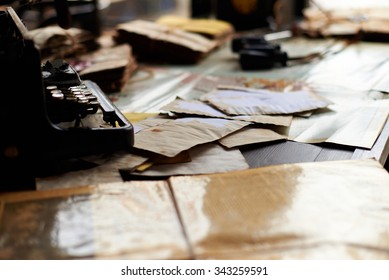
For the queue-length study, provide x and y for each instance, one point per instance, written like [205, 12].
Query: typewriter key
[87, 92]
[57, 96]
[82, 101]
[71, 99]
[83, 98]
[92, 98]
[51, 87]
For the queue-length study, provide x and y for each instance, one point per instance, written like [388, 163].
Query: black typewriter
[48, 113]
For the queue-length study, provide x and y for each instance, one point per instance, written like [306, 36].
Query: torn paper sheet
[196, 107]
[207, 158]
[250, 135]
[245, 101]
[357, 126]
[106, 172]
[179, 135]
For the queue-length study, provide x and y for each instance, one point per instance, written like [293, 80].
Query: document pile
[213, 126]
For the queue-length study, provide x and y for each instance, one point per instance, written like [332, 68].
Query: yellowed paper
[196, 107]
[149, 122]
[182, 157]
[178, 135]
[250, 135]
[283, 211]
[137, 117]
[207, 158]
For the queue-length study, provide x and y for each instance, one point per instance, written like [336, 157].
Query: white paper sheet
[359, 125]
[246, 101]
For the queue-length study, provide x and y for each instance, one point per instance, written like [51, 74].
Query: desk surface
[297, 211]
[359, 68]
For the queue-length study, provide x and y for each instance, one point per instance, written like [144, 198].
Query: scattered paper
[149, 122]
[245, 101]
[175, 136]
[196, 107]
[250, 135]
[205, 159]
[358, 126]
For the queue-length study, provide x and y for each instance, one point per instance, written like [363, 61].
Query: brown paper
[179, 135]
[196, 107]
[288, 211]
[205, 159]
[133, 220]
[250, 135]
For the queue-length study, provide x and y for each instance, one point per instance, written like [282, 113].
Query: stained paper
[205, 159]
[149, 122]
[175, 136]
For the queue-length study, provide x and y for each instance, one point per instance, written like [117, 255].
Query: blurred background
[96, 15]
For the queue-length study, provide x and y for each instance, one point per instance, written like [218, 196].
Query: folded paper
[205, 159]
[175, 136]
[196, 107]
